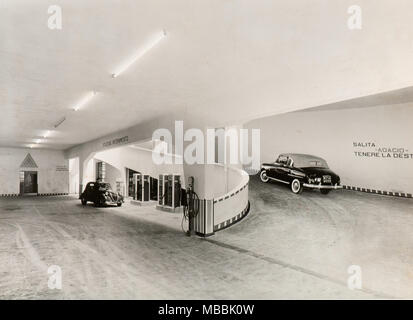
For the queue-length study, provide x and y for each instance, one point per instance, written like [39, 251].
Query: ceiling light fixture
[85, 100]
[38, 141]
[153, 41]
[46, 134]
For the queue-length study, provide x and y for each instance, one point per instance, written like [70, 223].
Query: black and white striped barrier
[207, 222]
[381, 192]
[51, 194]
[233, 220]
[232, 194]
[204, 221]
[39, 194]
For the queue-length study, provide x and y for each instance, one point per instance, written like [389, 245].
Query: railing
[223, 211]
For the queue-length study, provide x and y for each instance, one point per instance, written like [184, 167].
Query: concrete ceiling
[146, 145]
[223, 61]
[390, 98]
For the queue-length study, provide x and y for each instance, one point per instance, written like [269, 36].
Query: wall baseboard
[39, 194]
[381, 192]
[233, 220]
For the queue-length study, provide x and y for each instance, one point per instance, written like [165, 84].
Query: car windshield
[104, 186]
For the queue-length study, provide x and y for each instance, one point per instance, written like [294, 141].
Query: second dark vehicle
[299, 171]
[100, 193]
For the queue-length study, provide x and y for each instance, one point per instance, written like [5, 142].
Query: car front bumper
[111, 200]
[320, 186]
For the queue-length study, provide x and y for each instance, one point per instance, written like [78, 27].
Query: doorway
[28, 182]
[129, 180]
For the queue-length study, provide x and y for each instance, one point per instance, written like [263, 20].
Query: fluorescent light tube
[153, 41]
[85, 100]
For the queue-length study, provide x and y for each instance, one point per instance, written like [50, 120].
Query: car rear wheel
[296, 186]
[84, 202]
[263, 176]
[325, 191]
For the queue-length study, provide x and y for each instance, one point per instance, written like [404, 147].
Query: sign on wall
[373, 150]
[116, 141]
[62, 168]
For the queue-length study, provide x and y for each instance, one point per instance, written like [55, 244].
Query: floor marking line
[295, 267]
[32, 252]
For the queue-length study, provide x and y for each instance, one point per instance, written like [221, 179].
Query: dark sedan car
[100, 193]
[299, 171]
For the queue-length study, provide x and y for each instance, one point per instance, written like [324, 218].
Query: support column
[80, 176]
[86, 170]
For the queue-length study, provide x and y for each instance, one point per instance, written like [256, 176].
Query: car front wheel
[263, 176]
[296, 186]
[84, 202]
[325, 191]
[119, 204]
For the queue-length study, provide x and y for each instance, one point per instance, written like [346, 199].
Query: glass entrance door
[28, 182]
[129, 174]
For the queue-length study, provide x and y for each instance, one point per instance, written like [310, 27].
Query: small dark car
[100, 193]
[299, 171]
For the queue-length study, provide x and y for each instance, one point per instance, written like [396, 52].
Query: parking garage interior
[81, 102]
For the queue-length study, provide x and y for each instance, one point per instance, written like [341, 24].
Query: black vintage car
[100, 193]
[299, 171]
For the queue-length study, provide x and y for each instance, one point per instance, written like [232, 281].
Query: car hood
[318, 172]
[268, 165]
[113, 194]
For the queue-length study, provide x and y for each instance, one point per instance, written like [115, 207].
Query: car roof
[301, 156]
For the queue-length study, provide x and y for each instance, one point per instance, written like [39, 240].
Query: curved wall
[230, 203]
[232, 206]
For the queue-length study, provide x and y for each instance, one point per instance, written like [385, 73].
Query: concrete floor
[288, 247]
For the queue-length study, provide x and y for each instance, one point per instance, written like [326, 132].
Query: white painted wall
[220, 179]
[50, 178]
[330, 134]
[114, 174]
[74, 175]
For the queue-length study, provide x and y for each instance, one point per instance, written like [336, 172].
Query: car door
[282, 170]
[271, 169]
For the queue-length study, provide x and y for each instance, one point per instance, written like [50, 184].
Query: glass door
[28, 182]
[129, 175]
